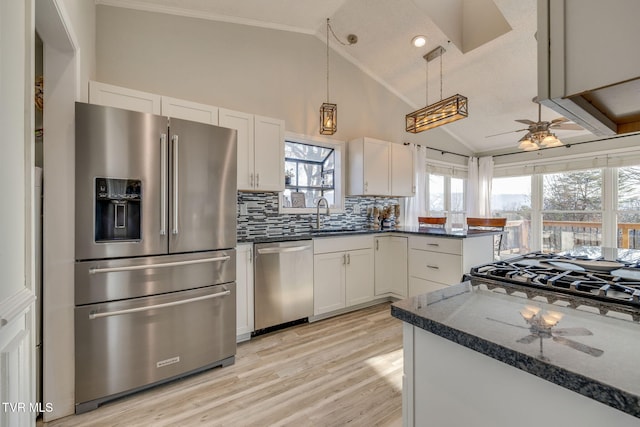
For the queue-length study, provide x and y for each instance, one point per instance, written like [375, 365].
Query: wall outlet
[243, 209]
[356, 209]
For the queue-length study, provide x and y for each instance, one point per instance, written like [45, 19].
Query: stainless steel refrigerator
[155, 212]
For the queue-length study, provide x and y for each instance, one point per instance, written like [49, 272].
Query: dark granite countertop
[592, 354]
[455, 233]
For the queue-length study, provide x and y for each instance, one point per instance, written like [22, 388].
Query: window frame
[448, 172]
[339, 148]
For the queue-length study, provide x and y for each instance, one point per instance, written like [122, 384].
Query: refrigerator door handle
[163, 184]
[152, 307]
[174, 139]
[160, 265]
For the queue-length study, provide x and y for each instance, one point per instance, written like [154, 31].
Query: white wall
[262, 71]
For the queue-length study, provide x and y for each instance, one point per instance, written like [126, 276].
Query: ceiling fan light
[552, 141]
[531, 147]
[525, 142]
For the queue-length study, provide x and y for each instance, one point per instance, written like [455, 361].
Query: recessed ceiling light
[419, 41]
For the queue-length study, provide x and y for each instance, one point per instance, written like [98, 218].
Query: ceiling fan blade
[595, 352]
[525, 121]
[566, 126]
[559, 120]
[504, 133]
[528, 339]
[576, 332]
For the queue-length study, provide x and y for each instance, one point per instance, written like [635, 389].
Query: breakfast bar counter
[475, 356]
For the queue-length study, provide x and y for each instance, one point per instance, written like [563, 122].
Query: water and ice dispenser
[117, 209]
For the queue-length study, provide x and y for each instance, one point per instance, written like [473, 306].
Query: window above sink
[313, 169]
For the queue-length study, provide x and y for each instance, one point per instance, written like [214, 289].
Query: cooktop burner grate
[605, 285]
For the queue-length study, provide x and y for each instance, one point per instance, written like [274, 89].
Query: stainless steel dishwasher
[283, 283]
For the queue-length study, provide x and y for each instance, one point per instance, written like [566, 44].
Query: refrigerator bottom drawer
[124, 346]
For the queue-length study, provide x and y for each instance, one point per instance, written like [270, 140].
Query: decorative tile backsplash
[262, 218]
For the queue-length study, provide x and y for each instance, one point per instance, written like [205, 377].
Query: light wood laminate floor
[346, 370]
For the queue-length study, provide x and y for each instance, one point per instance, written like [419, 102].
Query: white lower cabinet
[390, 266]
[244, 291]
[436, 262]
[343, 274]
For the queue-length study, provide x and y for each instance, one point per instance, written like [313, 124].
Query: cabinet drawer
[436, 267]
[436, 244]
[323, 245]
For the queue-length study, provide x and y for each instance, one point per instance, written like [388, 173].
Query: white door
[17, 348]
[328, 282]
[244, 291]
[269, 154]
[359, 277]
[125, 98]
[243, 123]
[377, 167]
[402, 176]
[189, 110]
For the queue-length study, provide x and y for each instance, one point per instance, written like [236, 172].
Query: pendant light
[328, 111]
[440, 113]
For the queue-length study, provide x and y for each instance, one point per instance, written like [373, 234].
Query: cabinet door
[187, 110]
[244, 291]
[269, 154]
[377, 167]
[243, 123]
[390, 255]
[359, 277]
[402, 174]
[328, 282]
[122, 97]
[419, 286]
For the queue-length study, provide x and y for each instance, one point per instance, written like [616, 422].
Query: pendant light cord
[441, 77]
[328, 28]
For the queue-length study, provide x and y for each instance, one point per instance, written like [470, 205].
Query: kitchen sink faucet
[326, 203]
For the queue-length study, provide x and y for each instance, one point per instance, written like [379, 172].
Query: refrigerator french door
[155, 259]
[150, 185]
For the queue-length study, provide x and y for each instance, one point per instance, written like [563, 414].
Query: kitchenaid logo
[35, 407]
[167, 362]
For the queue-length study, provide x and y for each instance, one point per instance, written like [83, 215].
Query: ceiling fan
[539, 134]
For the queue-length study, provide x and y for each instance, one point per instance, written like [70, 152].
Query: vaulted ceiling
[490, 51]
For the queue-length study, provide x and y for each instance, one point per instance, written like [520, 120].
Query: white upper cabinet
[125, 98]
[269, 153]
[189, 110]
[260, 150]
[243, 123]
[369, 167]
[260, 139]
[402, 173]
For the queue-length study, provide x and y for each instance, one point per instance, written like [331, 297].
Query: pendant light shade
[328, 118]
[440, 113]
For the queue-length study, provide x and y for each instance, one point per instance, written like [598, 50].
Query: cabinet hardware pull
[433, 244]
[151, 307]
[160, 265]
[251, 180]
[257, 180]
[163, 184]
[433, 267]
[176, 194]
[344, 259]
[377, 244]
[348, 258]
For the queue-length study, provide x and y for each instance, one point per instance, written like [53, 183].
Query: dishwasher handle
[279, 250]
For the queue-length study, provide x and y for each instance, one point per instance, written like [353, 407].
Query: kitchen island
[474, 356]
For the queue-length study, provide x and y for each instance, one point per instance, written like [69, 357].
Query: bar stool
[489, 224]
[432, 221]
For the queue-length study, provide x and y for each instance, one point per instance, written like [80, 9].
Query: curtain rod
[443, 152]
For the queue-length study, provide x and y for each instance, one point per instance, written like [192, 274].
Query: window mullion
[609, 207]
[536, 212]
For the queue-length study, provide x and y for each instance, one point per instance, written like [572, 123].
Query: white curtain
[485, 176]
[479, 186]
[417, 205]
[472, 187]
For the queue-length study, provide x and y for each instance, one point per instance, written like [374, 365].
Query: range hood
[590, 76]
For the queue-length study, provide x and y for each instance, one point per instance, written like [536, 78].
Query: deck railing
[563, 235]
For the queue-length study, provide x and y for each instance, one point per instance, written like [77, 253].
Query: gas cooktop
[582, 277]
